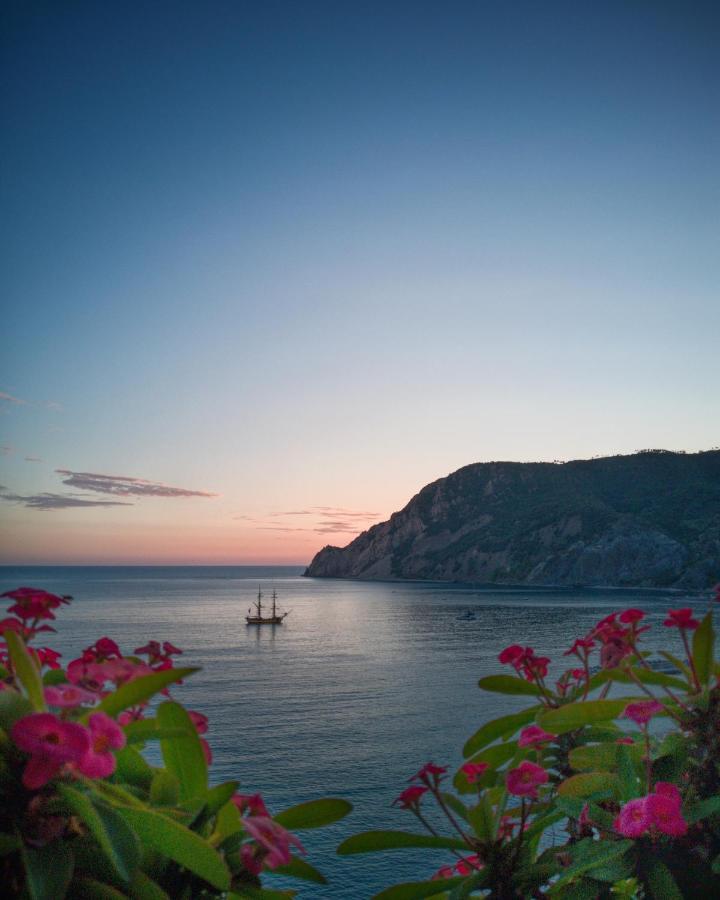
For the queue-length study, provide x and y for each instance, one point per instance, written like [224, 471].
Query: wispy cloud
[327, 520]
[53, 405]
[125, 486]
[33, 459]
[7, 450]
[10, 398]
[47, 501]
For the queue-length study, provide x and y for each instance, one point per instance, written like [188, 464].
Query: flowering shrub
[85, 815]
[589, 792]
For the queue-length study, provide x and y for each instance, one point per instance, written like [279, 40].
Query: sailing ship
[259, 619]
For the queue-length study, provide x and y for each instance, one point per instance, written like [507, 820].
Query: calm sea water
[362, 684]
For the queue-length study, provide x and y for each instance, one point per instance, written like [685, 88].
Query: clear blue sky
[308, 255]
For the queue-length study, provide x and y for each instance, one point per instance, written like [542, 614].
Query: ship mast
[259, 602]
[274, 599]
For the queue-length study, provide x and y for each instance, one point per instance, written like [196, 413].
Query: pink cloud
[126, 486]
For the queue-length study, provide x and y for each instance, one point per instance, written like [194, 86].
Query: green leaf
[503, 727]
[27, 672]
[89, 889]
[164, 789]
[629, 773]
[482, 819]
[298, 868]
[13, 706]
[140, 689]
[702, 649]
[594, 757]
[589, 783]
[543, 823]
[9, 843]
[218, 796]
[144, 888]
[416, 890]
[227, 822]
[116, 795]
[647, 676]
[113, 835]
[575, 715]
[54, 676]
[589, 854]
[455, 804]
[133, 769]
[508, 684]
[702, 809]
[660, 881]
[48, 870]
[148, 730]
[183, 756]
[371, 841]
[313, 814]
[678, 663]
[173, 840]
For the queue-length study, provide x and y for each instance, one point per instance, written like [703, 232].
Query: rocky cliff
[651, 519]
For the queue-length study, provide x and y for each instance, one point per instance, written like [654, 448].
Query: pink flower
[48, 657]
[15, 625]
[643, 710]
[525, 779]
[26, 594]
[511, 654]
[250, 805]
[430, 774]
[410, 797]
[272, 840]
[207, 752]
[681, 618]
[579, 645]
[665, 810]
[533, 736]
[152, 648]
[199, 721]
[104, 648]
[625, 740]
[130, 715]
[31, 609]
[51, 743]
[505, 831]
[584, 820]
[660, 811]
[468, 865]
[105, 736]
[68, 696]
[171, 649]
[443, 872]
[474, 771]
[630, 616]
[633, 819]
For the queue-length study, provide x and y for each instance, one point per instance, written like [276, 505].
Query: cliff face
[651, 519]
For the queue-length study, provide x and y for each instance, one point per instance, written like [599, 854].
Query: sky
[270, 268]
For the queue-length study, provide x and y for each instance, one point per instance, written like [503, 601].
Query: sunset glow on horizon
[272, 269]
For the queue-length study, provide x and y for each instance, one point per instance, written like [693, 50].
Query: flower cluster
[67, 745]
[658, 813]
[270, 843]
[525, 662]
[567, 759]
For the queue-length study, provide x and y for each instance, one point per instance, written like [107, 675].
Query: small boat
[259, 619]
[467, 616]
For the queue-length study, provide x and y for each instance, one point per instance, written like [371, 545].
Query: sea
[362, 684]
